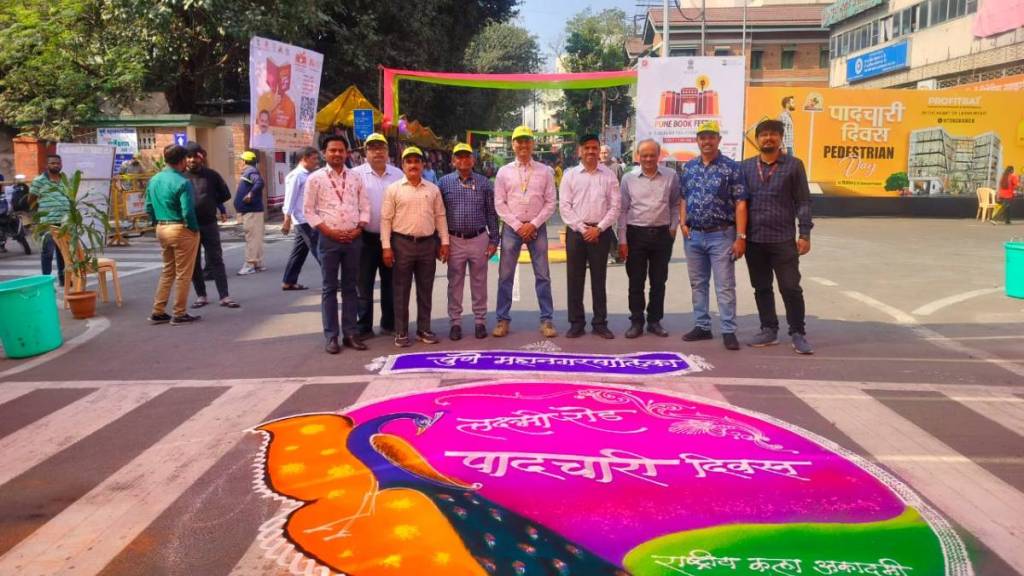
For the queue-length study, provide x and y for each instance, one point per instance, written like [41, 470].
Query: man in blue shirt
[249, 205]
[473, 230]
[305, 235]
[714, 223]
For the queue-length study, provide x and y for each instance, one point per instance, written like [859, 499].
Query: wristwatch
[741, 236]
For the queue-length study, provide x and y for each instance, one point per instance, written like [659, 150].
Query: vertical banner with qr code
[284, 84]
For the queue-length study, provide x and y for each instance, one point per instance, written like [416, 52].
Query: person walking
[294, 216]
[52, 203]
[377, 174]
[337, 207]
[210, 190]
[648, 219]
[524, 197]
[714, 223]
[171, 206]
[589, 202]
[249, 205]
[1008, 184]
[412, 219]
[473, 231]
[779, 196]
[612, 164]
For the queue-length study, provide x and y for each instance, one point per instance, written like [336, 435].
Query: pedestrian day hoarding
[284, 84]
[675, 95]
[861, 142]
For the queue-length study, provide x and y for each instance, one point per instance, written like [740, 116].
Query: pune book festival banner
[858, 142]
[675, 95]
[284, 84]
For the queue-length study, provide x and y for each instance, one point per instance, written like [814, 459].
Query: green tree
[59, 67]
[500, 48]
[595, 42]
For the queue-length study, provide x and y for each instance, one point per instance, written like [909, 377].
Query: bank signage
[878, 62]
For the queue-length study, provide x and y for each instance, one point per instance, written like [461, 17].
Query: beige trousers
[179, 253]
[252, 225]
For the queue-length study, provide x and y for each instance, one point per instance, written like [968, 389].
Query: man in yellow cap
[249, 205]
[377, 174]
[524, 197]
[473, 228]
[713, 218]
[411, 220]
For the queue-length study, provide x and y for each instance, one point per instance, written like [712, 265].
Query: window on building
[723, 51]
[823, 58]
[939, 11]
[757, 60]
[922, 16]
[972, 6]
[147, 138]
[788, 58]
[684, 52]
[874, 32]
[960, 9]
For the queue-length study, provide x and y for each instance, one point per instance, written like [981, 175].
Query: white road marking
[988, 507]
[822, 281]
[94, 327]
[941, 303]
[89, 533]
[1003, 409]
[896, 314]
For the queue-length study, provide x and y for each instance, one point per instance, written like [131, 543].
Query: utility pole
[743, 50]
[703, 26]
[664, 29]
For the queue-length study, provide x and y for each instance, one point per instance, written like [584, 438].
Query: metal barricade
[127, 215]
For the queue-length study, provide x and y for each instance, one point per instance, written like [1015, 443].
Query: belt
[414, 238]
[170, 222]
[713, 228]
[468, 235]
[646, 228]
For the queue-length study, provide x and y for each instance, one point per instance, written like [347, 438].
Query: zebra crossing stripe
[1006, 409]
[984, 505]
[30, 407]
[89, 533]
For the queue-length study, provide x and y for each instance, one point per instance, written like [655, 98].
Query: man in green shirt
[48, 190]
[170, 205]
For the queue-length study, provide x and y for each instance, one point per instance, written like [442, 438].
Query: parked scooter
[13, 201]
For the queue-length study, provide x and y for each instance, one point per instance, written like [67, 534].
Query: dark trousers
[413, 259]
[650, 250]
[1007, 203]
[305, 243]
[47, 253]
[209, 242]
[339, 267]
[781, 260]
[581, 254]
[370, 262]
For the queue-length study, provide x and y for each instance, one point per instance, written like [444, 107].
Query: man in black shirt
[210, 191]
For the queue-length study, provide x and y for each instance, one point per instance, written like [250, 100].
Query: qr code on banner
[307, 111]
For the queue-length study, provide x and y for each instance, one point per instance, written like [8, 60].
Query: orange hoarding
[855, 141]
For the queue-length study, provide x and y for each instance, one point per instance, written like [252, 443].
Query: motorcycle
[11, 225]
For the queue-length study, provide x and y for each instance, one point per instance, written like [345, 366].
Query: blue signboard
[180, 138]
[878, 62]
[362, 118]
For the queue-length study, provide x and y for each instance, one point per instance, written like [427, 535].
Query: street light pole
[664, 29]
[703, 26]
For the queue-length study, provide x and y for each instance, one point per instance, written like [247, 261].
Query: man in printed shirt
[305, 235]
[779, 197]
[714, 223]
[411, 220]
[337, 207]
[473, 228]
[48, 189]
[589, 202]
[524, 197]
[648, 219]
[377, 174]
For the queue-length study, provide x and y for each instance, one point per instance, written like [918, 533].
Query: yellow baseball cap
[412, 150]
[376, 137]
[522, 132]
[708, 126]
[460, 147]
[247, 156]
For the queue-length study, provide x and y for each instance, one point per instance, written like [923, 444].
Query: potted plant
[72, 220]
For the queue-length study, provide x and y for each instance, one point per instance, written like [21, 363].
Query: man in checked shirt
[473, 231]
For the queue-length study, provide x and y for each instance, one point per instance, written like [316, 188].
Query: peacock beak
[425, 424]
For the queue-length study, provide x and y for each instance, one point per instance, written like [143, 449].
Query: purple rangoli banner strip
[639, 365]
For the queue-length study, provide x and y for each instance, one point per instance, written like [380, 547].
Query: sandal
[294, 287]
[200, 302]
[228, 303]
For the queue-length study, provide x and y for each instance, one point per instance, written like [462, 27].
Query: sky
[546, 19]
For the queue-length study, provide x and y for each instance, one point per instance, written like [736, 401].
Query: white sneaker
[246, 270]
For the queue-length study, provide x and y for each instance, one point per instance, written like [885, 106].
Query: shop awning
[339, 111]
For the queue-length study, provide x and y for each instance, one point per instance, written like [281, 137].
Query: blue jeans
[511, 244]
[336, 258]
[47, 253]
[707, 254]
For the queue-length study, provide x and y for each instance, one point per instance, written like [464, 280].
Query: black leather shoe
[696, 334]
[354, 343]
[730, 341]
[603, 332]
[575, 331]
[363, 334]
[332, 346]
[455, 333]
[635, 330]
[656, 329]
[481, 331]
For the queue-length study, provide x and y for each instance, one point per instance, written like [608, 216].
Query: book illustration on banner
[559, 478]
[635, 365]
[276, 101]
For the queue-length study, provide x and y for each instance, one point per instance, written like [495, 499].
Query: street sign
[363, 122]
[180, 138]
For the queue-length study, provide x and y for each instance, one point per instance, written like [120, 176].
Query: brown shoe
[501, 329]
[547, 329]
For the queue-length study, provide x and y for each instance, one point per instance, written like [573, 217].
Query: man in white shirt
[589, 203]
[305, 235]
[377, 174]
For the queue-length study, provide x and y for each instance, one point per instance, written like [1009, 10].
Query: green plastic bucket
[29, 322]
[1015, 269]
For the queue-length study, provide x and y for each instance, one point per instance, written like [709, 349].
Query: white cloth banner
[284, 84]
[675, 95]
